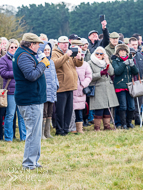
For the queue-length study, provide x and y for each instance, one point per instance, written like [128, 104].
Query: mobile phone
[102, 17]
[107, 67]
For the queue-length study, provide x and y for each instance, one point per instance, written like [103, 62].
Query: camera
[75, 51]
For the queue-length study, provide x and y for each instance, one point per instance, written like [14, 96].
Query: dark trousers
[126, 102]
[2, 113]
[79, 115]
[117, 117]
[101, 112]
[64, 109]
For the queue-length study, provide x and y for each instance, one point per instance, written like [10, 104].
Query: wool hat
[114, 35]
[93, 31]
[30, 37]
[63, 39]
[122, 47]
[74, 37]
[77, 42]
[84, 41]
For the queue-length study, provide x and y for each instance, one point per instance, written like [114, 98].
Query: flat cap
[84, 41]
[63, 39]
[76, 42]
[114, 35]
[126, 40]
[30, 37]
[93, 31]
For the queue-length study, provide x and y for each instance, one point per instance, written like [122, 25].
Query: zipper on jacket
[120, 81]
[128, 73]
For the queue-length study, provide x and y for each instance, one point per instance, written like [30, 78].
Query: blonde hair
[43, 37]
[12, 41]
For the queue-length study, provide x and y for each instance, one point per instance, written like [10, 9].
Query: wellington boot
[43, 127]
[79, 127]
[97, 122]
[106, 122]
[47, 128]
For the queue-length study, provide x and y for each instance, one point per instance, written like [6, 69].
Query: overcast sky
[17, 3]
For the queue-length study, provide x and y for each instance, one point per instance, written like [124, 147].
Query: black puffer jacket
[104, 42]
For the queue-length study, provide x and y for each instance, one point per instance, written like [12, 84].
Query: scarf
[124, 58]
[99, 63]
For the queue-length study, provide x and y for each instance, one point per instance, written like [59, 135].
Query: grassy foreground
[95, 160]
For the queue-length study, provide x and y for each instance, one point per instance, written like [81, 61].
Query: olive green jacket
[110, 50]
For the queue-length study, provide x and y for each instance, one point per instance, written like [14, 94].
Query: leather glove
[131, 62]
[45, 61]
[127, 62]
[104, 72]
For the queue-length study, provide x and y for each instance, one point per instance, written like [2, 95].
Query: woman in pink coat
[84, 78]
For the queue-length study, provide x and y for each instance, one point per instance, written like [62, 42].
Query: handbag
[92, 91]
[135, 87]
[3, 95]
[85, 90]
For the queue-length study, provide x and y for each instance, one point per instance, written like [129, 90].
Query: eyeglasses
[13, 47]
[99, 53]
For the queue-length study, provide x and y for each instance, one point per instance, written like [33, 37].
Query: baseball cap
[74, 37]
[63, 39]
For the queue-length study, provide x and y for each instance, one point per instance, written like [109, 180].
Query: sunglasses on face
[99, 53]
[13, 47]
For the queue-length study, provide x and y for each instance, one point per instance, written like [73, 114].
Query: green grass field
[95, 160]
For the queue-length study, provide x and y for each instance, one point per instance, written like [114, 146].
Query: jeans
[64, 109]
[79, 116]
[8, 123]
[91, 115]
[33, 116]
[126, 102]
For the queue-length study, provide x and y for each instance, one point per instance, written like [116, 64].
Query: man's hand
[69, 53]
[104, 23]
[78, 56]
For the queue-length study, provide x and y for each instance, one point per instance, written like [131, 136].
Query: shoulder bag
[136, 87]
[3, 95]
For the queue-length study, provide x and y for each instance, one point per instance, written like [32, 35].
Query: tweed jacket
[66, 70]
[105, 95]
[110, 50]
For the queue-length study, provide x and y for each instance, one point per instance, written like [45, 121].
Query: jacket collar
[28, 50]
[111, 46]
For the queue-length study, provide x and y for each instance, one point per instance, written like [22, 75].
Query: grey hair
[4, 38]
[12, 41]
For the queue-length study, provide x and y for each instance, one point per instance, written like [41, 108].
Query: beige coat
[105, 95]
[66, 71]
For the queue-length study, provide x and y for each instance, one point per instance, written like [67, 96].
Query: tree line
[59, 19]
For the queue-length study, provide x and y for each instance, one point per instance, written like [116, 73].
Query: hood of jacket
[42, 47]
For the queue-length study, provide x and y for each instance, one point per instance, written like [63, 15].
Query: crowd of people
[68, 83]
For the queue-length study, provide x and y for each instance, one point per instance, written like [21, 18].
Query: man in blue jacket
[30, 94]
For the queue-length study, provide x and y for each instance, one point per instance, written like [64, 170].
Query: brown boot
[79, 127]
[106, 122]
[97, 122]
